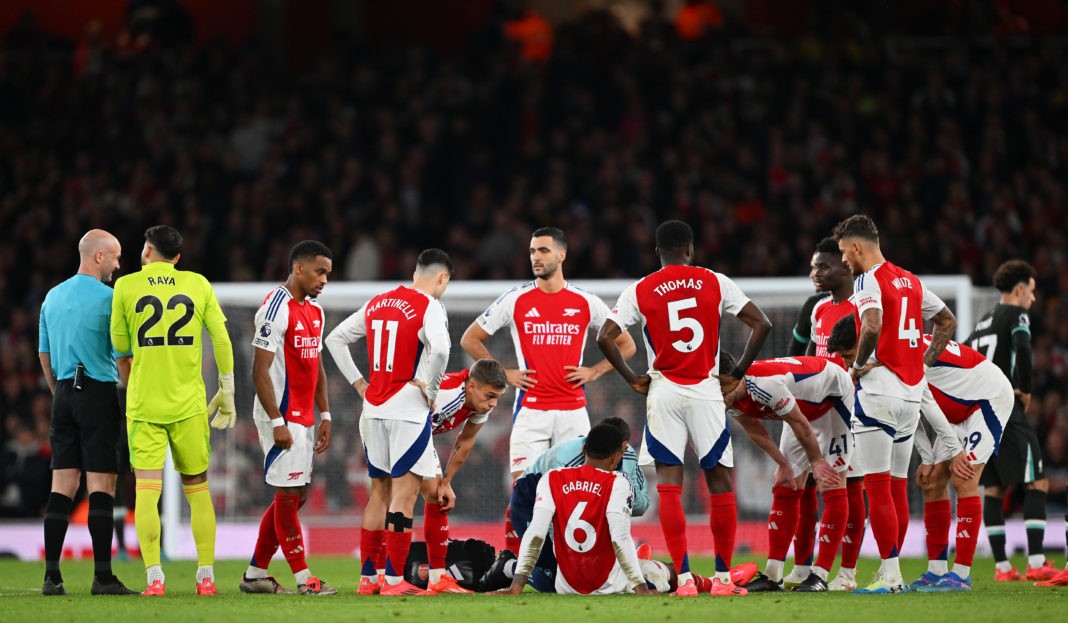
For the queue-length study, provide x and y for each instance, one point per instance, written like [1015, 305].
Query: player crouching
[465, 399]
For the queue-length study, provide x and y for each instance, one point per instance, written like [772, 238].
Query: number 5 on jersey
[680, 323]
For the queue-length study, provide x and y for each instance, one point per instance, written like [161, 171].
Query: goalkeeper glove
[222, 405]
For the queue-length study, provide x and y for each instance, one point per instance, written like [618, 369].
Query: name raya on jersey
[452, 412]
[581, 498]
[680, 308]
[905, 303]
[814, 384]
[825, 313]
[962, 379]
[294, 333]
[549, 333]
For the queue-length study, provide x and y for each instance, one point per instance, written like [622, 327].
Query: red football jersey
[549, 333]
[452, 411]
[824, 316]
[582, 497]
[960, 379]
[904, 302]
[680, 308]
[773, 386]
[394, 322]
[294, 333]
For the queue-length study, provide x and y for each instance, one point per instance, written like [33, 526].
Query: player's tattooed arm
[871, 325]
[945, 323]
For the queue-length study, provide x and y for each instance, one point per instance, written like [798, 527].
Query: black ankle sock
[994, 520]
[1034, 512]
[101, 525]
[56, 519]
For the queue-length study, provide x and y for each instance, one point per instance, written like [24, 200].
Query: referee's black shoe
[812, 584]
[763, 584]
[49, 589]
[110, 586]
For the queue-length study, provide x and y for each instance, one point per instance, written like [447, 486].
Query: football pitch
[20, 600]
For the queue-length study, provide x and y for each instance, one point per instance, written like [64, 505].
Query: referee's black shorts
[1019, 457]
[85, 427]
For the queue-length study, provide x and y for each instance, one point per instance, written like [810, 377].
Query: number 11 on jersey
[391, 345]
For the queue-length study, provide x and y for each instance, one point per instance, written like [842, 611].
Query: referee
[80, 367]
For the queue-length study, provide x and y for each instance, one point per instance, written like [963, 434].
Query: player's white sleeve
[626, 313]
[732, 297]
[618, 516]
[772, 392]
[923, 445]
[598, 311]
[931, 303]
[866, 293]
[499, 314]
[271, 322]
[436, 330]
[932, 413]
[540, 521]
[348, 332]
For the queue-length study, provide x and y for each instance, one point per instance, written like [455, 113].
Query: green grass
[20, 600]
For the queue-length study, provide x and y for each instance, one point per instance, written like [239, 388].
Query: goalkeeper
[290, 381]
[160, 313]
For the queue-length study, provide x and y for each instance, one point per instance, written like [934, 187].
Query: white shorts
[394, 448]
[287, 468]
[534, 431]
[980, 434]
[833, 436]
[675, 418]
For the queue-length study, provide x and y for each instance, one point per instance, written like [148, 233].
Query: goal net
[340, 486]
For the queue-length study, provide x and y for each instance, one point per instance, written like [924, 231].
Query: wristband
[277, 422]
[324, 416]
[857, 365]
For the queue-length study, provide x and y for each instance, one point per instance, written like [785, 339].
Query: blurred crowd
[956, 147]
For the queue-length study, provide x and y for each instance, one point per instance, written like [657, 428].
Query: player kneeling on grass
[466, 399]
[966, 404]
[588, 509]
[813, 396]
[290, 381]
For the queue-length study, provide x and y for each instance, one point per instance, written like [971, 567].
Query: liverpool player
[814, 397]
[288, 373]
[548, 319]
[588, 509]
[407, 339]
[1004, 335]
[679, 308]
[892, 305]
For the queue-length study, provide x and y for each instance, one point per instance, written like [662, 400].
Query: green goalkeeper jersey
[160, 313]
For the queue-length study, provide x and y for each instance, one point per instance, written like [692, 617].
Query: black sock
[101, 524]
[120, 528]
[994, 520]
[57, 516]
[1034, 512]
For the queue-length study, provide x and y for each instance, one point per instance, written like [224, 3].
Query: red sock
[436, 533]
[704, 585]
[511, 539]
[267, 541]
[288, 531]
[969, 514]
[805, 536]
[882, 514]
[899, 488]
[673, 523]
[832, 526]
[936, 517]
[397, 546]
[372, 551]
[723, 519]
[854, 535]
[782, 521]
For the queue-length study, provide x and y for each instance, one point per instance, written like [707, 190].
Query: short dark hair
[555, 233]
[1013, 272]
[603, 440]
[431, 257]
[308, 250]
[673, 236]
[727, 362]
[165, 239]
[489, 372]
[843, 335]
[857, 226]
[828, 245]
[619, 423]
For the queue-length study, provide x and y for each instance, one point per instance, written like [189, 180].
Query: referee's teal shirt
[75, 327]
